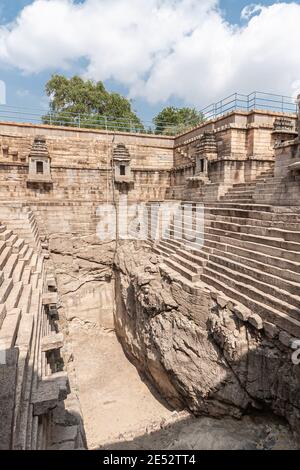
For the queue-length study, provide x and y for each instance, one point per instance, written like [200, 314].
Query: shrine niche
[39, 173]
[122, 170]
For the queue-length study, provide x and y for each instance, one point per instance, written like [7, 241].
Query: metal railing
[254, 101]
[235, 102]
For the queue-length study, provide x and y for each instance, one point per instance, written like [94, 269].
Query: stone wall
[244, 149]
[81, 163]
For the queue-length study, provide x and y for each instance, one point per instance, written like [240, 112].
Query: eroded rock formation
[200, 349]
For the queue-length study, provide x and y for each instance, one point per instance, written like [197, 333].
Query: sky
[155, 52]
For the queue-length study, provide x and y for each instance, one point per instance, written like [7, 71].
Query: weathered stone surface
[52, 342]
[50, 391]
[200, 355]
[271, 330]
[286, 339]
[50, 298]
[8, 380]
[256, 321]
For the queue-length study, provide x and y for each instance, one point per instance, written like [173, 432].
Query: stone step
[2, 313]
[23, 251]
[2, 246]
[26, 275]
[28, 255]
[18, 271]
[239, 191]
[188, 274]
[25, 333]
[267, 313]
[18, 245]
[260, 275]
[195, 256]
[248, 185]
[212, 241]
[9, 330]
[162, 251]
[10, 265]
[250, 287]
[25, 300]
[40, 264]
[247, 195]
[170, 245]
[209, 218]
[260, 263]
[240, 206]
[187, 263]
[237, 200]
[286, 235]
[4, 257]
[5, 289]
[11, 240]
[5, 235]
[33, 261]
[14, 296]
[260, 235]
[34, 280]
[266, 259]
[253, 214]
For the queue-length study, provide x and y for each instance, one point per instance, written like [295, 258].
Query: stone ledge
[50, 298]
[52, 342]
[50, 391]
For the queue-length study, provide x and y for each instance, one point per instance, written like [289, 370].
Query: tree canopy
[75, 101]
[173, 120]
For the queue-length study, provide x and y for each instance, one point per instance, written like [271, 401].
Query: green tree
[173, 120]
[85, 103]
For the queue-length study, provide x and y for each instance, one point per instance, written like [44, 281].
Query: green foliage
[84, 103]
[173, 120]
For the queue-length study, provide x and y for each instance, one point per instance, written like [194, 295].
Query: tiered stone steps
[23, 324]
[22, 222]
[250, 252]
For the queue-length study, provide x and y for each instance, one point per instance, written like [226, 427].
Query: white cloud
[160, 48]
[22, 93]
[250, 10]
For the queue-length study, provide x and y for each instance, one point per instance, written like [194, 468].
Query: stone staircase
[32, 382]
[243, 193]
[22, 221]
[250, 252]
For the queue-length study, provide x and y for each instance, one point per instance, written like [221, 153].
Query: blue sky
[26, 87]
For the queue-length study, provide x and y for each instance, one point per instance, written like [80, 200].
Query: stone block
[50, 391]
[271, 330]
[256, 321]
[50, 298]
[286, 339]
[52, 342]
[221, 301]
[242, 312]
[9, 330]
[64, 433]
